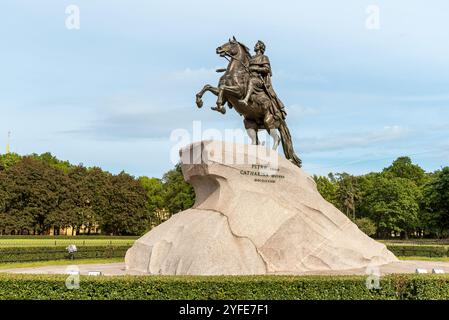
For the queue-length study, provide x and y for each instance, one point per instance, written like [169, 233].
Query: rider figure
[260, 78]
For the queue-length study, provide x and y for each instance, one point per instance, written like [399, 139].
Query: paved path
[402, 266]
[117, 269]
[108, 269]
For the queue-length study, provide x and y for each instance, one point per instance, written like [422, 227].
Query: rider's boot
[245, 100]
[250, 90]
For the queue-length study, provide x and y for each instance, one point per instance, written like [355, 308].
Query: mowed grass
[49, 242]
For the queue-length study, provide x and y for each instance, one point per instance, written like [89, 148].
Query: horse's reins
[232, 57]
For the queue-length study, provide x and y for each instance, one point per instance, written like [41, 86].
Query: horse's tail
[287, 144]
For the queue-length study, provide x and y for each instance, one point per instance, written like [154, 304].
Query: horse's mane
[245, 48]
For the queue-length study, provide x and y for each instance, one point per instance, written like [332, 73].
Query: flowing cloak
[263, 62]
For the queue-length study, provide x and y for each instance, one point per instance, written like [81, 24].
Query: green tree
[403, 167]
[327, 188]
[366, 225]
[8, 160]
[392, 203]
[127, 212]
[178, 194]
[78, 207]
[59, 216]
[96, 192]
[348, 194]
[155, 192]
[436, 201]
[155, 198]
[51, 160]
[33, 194]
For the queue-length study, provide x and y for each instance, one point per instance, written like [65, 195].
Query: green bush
[366, 225]
[15, 286]
[419, 250]
[23, 254]
[26, 254]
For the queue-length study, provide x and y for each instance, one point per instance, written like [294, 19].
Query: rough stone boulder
[255, 213]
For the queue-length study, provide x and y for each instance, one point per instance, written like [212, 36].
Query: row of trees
[402, 200]
[38, 192]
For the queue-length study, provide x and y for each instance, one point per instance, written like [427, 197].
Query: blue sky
[110, 93]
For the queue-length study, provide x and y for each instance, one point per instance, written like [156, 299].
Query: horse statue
[244, 88]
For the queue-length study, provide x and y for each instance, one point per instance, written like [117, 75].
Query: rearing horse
[257, 115]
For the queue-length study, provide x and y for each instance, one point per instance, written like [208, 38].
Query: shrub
[23, 254]
[366, 225]
[15, 286]
[419, 250]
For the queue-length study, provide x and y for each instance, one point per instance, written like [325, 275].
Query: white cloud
[301, 110]
[194, 74]
[313, 79]
[424, 98]
[350, 140]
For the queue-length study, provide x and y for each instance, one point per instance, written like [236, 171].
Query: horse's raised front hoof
[199, 102]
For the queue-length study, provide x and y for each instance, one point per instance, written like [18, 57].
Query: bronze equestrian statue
[246, 87]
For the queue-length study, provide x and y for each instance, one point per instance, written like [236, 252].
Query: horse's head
[232, 48]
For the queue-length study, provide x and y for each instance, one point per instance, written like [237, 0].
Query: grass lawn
[49, 242]
[57, 263]
[436, 259]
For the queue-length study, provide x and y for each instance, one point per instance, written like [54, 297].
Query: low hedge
[419, 250]
[402, 287]
[25, 254]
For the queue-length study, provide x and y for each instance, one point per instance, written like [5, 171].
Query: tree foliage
[393, 205]
[436, 203]
[178, 194]
[402, 199]
[366, 225]
[327, 188]
[38, 192]
[403, 167]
